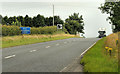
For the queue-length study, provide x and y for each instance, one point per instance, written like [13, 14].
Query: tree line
[36, 21]
[113, 9]
[74, 23]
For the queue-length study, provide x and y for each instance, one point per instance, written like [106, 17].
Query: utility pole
[53, 15]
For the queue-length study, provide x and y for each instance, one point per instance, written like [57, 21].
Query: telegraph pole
[53, 15]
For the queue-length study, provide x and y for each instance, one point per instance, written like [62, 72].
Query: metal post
[53, 15]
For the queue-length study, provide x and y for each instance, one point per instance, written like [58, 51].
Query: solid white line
[33, 50]
[87, 49]
[63, 69]
[47, 46]
[9, 56]
[79, 56]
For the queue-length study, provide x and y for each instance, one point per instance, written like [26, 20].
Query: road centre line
[33, 50]
[57, 44]
[47, 46]
[65, 42]
[11, 56]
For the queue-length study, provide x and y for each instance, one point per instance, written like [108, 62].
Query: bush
[10, 30]
[44, 30]
[35, 30]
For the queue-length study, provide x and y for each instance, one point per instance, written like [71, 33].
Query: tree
[16, 23]
[47, 21]
[57, 20]
[113, 9]
[5, 20]
[74, 24]
[28, 21]
[21, 19]
[39, 21]
[11, 20]
[1, 19]
[36, 21]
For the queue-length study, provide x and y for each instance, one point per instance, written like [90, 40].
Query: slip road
[50, 56]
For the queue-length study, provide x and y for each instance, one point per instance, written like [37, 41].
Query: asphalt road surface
[50, 56]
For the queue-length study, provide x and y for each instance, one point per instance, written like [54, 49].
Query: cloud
[51, 0]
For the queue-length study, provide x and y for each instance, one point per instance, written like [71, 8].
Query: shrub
[49, 30]
[10, 30]
[44, 30]
[35, 30]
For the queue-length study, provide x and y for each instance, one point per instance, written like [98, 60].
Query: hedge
[10, 30]
[15, 30]
[44, 30]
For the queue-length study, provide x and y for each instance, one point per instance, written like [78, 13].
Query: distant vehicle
[102, 32]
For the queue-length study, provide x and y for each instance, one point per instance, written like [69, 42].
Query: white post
[53, 15]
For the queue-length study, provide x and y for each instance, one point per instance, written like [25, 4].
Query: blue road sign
[25, 30]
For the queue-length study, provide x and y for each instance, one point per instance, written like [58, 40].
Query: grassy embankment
[12, 35]
[10, 41]
[98, 59]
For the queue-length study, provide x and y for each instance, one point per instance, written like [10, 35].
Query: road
[50, 56]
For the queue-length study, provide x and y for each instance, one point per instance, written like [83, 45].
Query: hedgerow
[15, 30]
[10, 30]
[44, 30]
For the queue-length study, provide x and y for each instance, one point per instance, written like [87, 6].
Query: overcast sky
[93, 18]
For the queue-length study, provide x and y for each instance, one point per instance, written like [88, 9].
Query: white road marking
[63, 69]
[47, 46]
[87, 49]
[65, 42]
[9, 56]
[33, 50]
[57, 44]
[78, 57]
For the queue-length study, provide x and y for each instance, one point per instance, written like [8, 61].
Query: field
[98, 58]
[9, 41]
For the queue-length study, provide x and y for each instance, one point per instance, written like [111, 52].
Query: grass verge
[97, 60]
[10, 41]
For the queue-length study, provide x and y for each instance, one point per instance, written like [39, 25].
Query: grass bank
[97, 59]
[10, 41]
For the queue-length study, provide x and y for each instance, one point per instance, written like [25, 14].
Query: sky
[93, 18]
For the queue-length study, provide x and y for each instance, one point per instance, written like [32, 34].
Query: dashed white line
[47, 46]
[65, 42]
[57, 44]
[33, 50]
[11, 56]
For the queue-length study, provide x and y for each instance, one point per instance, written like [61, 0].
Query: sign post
[25, 30]
[59, 26]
